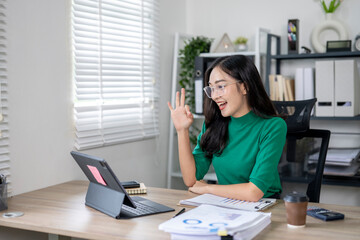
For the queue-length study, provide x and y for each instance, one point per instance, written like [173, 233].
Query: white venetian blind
[4, 127]
[116, 71]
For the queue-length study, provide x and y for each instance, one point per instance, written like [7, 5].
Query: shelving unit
[178, 39]
[280, 57]
[173, 161]
[273, 55]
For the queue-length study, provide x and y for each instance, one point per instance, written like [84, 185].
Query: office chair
[297, 115]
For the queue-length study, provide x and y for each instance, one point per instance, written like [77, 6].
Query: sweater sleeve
[271, 144]
[202, 163]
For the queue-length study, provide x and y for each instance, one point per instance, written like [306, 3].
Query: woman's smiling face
[231, 99]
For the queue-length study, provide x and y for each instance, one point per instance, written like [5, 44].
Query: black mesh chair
[297, 115]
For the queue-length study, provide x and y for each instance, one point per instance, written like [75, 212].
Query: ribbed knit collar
[249, 117]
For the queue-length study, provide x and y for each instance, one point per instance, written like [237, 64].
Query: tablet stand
[104, 199]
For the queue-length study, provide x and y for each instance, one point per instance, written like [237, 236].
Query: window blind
[4, 127]
[116, 71]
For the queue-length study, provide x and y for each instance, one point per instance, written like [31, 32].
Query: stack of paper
[211, 222]
[228, 202]
[339, 162]
[338, 157]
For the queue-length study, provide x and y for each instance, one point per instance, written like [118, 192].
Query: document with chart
[229, 202]
[211, 222]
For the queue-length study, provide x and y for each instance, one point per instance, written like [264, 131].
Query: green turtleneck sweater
[252, 154]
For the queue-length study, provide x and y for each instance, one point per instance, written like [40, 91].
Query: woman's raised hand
[181, 115]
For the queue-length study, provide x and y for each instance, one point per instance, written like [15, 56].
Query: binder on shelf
[281, 88]
[199, 95]
[273, 87]
[199, 85]
[304, 84]
[290, 88]
[299, 84]
[324, 88]
[201, 64]
[308, 83]
[346, 88]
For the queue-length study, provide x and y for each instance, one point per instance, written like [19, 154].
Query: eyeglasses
[219, 89]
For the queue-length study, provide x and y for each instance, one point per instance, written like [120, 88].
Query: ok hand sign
[181, 115]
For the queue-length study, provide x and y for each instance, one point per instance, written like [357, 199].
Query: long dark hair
[241, 68]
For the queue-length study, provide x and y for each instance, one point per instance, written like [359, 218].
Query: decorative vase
[242, 47]
[330, 23]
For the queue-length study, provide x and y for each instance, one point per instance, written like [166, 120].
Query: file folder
[299, 84]
[200, 68]
[346, 88]
[199, 95]
[324, 88]
[308, 83]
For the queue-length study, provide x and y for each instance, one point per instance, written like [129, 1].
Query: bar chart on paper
[229, 203]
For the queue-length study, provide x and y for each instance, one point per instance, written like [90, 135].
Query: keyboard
[143, 207]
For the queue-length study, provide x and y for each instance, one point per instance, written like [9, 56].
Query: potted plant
[193, 47]
[241, 43]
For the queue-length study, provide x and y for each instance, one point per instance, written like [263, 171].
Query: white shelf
[247, 53]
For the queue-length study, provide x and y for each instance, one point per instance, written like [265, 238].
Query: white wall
[40, 99]
[39, 76]
[213, 18]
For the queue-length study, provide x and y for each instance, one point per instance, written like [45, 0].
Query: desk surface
[61, 210]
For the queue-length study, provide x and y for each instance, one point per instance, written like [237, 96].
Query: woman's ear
[243, 89]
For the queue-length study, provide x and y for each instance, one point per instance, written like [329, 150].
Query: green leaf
[337, 5]
[324, 6]
[331, 7]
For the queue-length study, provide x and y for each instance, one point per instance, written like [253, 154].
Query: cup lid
[296, 197]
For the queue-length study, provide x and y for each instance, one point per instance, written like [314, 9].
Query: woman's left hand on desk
[200, 187]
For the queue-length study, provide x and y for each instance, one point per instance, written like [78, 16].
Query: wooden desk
[61, 210]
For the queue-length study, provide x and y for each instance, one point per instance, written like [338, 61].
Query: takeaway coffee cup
[296, 206]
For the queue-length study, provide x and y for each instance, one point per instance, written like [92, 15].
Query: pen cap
[296, 197]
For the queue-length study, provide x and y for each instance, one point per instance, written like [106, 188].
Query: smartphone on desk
[130, 184]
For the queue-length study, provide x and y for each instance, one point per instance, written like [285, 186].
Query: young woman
[241, 137]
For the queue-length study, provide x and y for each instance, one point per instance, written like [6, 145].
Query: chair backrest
[298, 121]
[297, 113]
